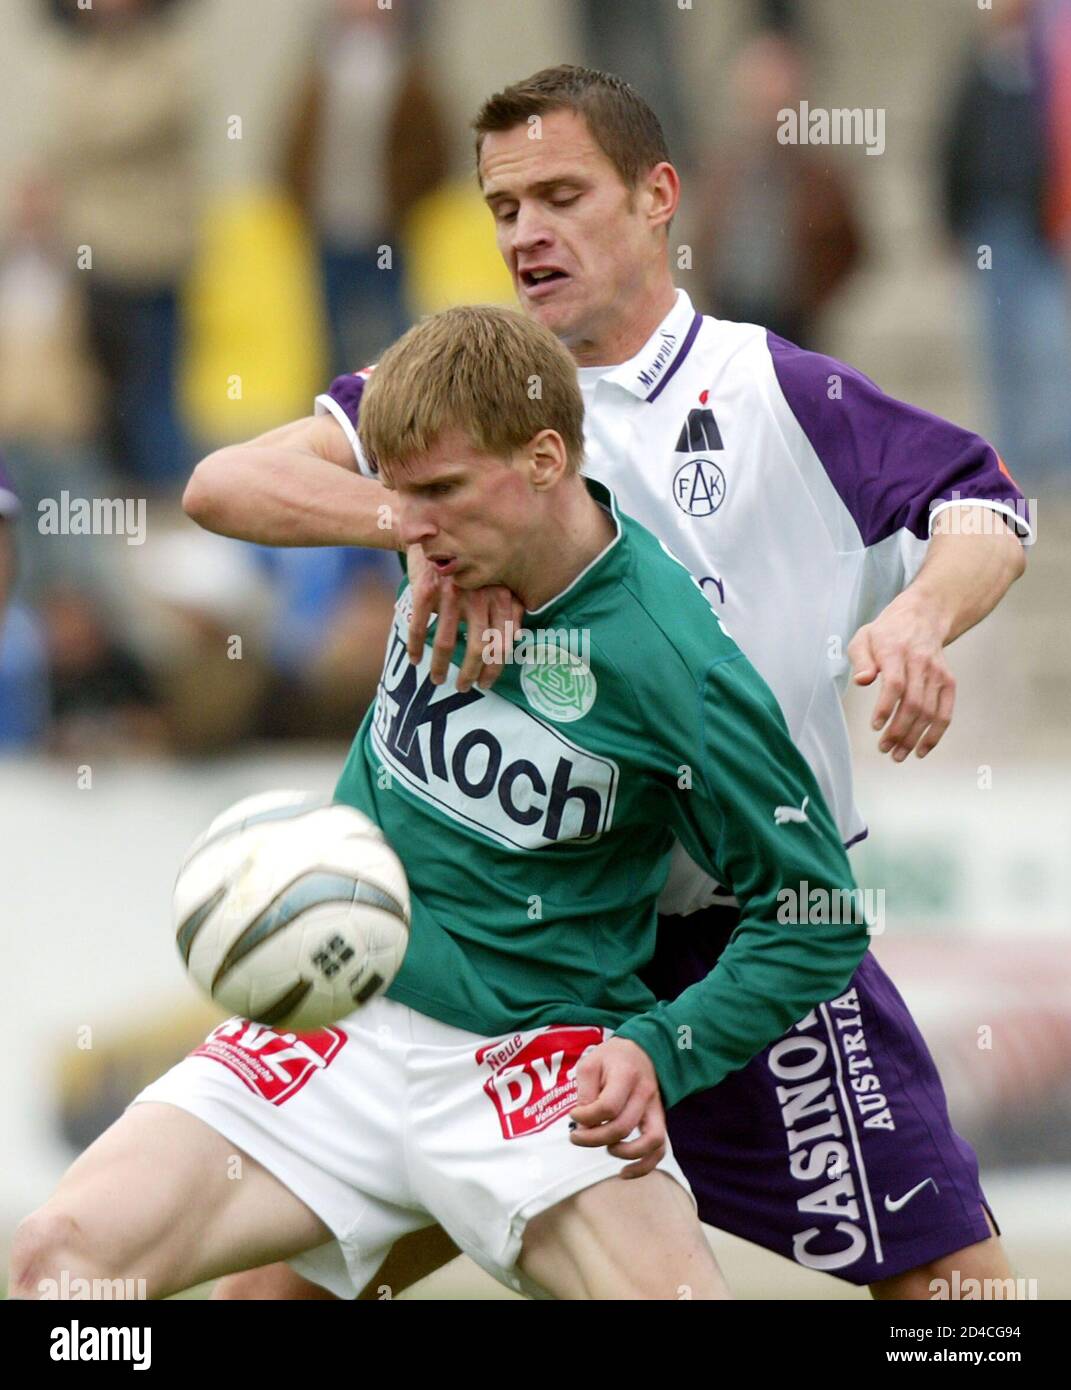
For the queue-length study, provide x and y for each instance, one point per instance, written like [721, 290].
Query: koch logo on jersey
[455, 751]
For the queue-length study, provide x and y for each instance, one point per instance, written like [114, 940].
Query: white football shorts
[390, 1121]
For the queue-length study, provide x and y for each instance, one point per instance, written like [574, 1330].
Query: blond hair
[490, 372]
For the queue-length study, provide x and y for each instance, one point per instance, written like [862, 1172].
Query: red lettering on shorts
[274, 1065]
[537, 1085]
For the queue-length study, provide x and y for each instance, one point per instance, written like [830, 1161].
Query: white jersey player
[835, 530]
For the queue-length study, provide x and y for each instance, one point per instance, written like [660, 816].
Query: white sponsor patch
[484, 761]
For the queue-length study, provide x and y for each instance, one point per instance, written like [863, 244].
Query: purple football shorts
[832, 1147]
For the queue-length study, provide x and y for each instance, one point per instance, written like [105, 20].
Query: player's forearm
[801, 936]
[755, 818]
[767, 979]
[965, 575]
[279, 496]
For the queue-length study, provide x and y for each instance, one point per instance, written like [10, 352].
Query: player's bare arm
[962, 580]
[295, 485]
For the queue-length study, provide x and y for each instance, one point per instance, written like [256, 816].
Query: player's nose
[530, 230]
[415, 523]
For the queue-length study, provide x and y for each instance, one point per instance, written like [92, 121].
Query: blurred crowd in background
[143, 324]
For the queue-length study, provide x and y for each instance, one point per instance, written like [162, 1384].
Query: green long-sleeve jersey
[535, 821]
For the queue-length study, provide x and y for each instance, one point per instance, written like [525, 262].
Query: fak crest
[699, 483]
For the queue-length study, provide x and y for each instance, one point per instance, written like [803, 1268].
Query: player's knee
[983, 1266]
[46, 1244]
[602, 1240]
[652, 1285]
[239, 1287]
[273, 1282]
[913, 1286]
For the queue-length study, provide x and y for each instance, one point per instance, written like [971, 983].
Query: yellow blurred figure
[256, 346]
[256, 351]
[452, 253]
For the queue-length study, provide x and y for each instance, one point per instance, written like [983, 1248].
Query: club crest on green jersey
[557, 684]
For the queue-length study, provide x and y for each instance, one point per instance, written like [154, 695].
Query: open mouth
[536, 281]
[444, 564]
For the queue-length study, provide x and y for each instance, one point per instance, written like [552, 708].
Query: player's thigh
[164, 1197]
[985, 1260]
[277, 1283]
[622, 1239]
[411, 1259]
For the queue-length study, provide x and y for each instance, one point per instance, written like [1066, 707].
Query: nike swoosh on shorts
[891, 1205]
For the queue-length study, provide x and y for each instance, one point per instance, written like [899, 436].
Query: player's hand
[617, 1092]
[484, 611]
[905, 646]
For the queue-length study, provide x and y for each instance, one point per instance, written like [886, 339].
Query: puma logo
[784, 814]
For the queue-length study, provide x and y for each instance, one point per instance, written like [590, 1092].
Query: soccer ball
[292, 910]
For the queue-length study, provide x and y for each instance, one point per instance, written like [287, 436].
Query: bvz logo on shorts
[273, 1065]
[533, 1087]
[699, 487]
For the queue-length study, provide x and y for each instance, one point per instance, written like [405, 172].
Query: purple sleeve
[890, 463]
[9, 502]
[347, 392]
[343, 400]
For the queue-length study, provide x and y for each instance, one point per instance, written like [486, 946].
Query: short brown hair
[622, 124]
[491, 372]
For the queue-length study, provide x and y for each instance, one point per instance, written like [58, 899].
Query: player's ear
[662, 187]
[547, 457]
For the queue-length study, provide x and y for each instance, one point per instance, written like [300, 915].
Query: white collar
[645, 374]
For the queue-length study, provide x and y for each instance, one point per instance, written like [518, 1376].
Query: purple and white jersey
[797, 494]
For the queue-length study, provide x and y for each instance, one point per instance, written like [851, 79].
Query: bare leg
[985, 1260]
[276, 1282]
[412, 1258]
[163, 1197]
[622, 1240]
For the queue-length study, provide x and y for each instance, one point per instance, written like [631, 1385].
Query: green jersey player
[628, 717]
[518, 1066]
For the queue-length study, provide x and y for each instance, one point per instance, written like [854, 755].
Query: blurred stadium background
[194, 201]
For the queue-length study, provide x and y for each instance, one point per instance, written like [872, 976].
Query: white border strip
[327, 405]
[850, 1117]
